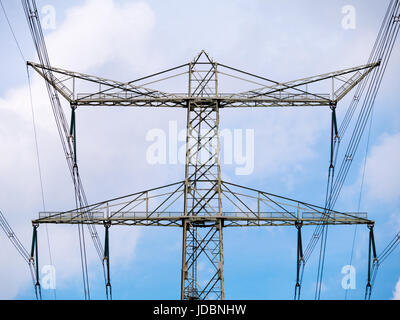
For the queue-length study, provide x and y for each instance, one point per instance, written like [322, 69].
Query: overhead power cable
[383, 51]
[39, 170]
[68, 141]
[386, 252]
[360, 194]
[12, 31]
[380, 53]
[389, 248]
[5, 226]
[21, 250]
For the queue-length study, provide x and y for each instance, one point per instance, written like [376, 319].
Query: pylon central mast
[202, 241]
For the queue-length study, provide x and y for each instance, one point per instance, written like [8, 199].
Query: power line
[4, 223]
[12, 32]
[361, 190]
[21, 250]
[389, 248]
[39, 169]
[381, 52]
[68, 139]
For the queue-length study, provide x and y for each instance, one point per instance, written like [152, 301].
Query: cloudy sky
[124, 40]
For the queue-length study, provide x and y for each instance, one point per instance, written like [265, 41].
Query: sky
[125, 40]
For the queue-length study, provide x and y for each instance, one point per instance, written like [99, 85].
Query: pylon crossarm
[87, 90]
[68, 83]
[341, 82]
[127, 100]
[245, 206]
[279, 100]
[147, 207]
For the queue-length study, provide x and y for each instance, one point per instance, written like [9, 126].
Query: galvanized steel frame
[209, 203]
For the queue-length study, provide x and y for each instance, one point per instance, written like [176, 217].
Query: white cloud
[93, 35]
[115, 39]
[382, 173]
[102, 32]
[396, 292]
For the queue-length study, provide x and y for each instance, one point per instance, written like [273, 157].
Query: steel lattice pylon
[202, 204]
[202, 188]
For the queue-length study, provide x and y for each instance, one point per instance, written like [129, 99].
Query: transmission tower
[202, 204]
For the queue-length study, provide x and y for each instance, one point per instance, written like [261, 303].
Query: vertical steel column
[202, 254]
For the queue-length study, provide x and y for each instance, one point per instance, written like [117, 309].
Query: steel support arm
[106, 92]
[162, 206]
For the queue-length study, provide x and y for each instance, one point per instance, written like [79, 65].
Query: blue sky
[125, 40]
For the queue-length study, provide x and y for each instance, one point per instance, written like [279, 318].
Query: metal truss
[243, 207]
[74, 87]
[202, 241]
[203, 204]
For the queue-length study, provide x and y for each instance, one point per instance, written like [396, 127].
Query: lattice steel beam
[74, 86]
